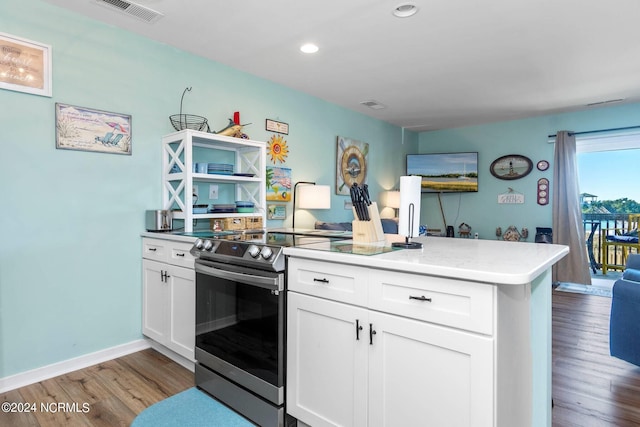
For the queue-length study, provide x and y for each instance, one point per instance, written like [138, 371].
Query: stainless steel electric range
[241, 322]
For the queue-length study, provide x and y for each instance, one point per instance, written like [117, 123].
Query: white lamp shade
[314, 197]
[391, 199]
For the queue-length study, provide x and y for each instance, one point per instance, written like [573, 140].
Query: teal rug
[191, 408]
[601, 291]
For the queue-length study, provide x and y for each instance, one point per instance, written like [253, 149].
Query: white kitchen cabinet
[326, 364]
[184, 148]
[423, 374]
[168, 310]
[430, 360]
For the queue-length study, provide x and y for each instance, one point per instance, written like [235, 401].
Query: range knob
[266, 252]
[199, 243]
[254, 251]
[207, 245]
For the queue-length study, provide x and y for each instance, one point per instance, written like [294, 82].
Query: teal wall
[528, 137]
[70, 268]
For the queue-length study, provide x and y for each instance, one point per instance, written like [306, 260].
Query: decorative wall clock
[512, 166]
[542, 165]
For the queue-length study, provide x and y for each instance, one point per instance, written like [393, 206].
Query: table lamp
[312, 196]
[391, 199]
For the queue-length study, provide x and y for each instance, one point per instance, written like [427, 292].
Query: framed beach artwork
[351, 164]
[278, 184]
[25, 65]
[87, 129]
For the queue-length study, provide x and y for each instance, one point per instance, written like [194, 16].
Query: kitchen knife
[354, 199]
[365, 202]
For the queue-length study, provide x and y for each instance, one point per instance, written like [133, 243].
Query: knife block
[368, 231]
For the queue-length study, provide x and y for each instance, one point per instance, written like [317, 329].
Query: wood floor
[590, 388]
[109, 394]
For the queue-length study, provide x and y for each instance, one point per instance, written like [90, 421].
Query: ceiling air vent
[374, 105]
[609, 101]
[132, 9]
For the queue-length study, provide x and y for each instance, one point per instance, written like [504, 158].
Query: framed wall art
[351, 164]
[512, 166]
[278, 184]
[87, 129]
[25, 65]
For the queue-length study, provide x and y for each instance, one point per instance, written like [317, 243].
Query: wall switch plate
[213, 192]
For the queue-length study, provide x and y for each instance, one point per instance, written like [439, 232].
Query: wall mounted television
[445, 172]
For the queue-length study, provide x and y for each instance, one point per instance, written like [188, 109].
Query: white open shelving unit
[178, 177]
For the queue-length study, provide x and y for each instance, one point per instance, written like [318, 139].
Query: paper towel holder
[408, 244]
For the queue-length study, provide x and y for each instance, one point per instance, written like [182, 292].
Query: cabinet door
[182, 317]
[326, 364]
[155, 301]
[428, 375]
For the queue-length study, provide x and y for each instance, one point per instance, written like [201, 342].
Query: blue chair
[624, 324]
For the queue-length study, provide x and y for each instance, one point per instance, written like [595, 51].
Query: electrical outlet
[348, 205]
[213, 192]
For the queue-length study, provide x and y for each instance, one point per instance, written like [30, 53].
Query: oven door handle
[274, 283]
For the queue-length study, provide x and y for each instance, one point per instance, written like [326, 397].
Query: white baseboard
[44, 373]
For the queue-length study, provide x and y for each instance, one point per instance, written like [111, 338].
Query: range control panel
[242, 253]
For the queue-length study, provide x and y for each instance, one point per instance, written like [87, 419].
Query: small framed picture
[25, 65]
[87, 129]
[276, 211]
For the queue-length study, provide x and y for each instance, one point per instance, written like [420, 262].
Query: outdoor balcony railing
[593, 224]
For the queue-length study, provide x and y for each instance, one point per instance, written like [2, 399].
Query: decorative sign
[276, 211]
[25, 66]
[279, 127]
[511, 197]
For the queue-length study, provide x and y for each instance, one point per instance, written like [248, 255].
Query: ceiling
[454, 63]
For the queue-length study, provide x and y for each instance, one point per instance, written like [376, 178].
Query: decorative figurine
[464, 230]
[512, 234]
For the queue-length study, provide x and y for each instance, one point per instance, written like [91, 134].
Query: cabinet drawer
[154, 249]
[176, 253]
[338, 282]
[179, 254]
[449, 302]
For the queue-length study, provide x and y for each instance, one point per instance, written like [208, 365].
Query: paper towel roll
[410, 193]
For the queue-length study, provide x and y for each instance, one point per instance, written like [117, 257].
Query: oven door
[240, 326]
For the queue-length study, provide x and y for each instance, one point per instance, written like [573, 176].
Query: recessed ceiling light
[309, 48]
[405, 10]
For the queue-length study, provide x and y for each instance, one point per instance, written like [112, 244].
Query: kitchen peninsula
[455, 333]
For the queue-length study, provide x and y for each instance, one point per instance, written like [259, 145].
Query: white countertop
[168, 235]
[490, 261]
